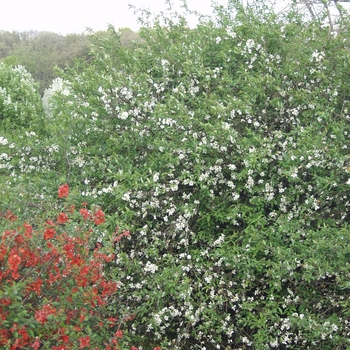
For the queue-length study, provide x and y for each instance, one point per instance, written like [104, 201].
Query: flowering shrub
[20, 102]
[225, 149]
[54, 292]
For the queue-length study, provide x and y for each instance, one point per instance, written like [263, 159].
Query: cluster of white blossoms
[3, 141]
[317, 56]
[152, 268]
[58, 86]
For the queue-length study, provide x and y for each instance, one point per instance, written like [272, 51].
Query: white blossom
[152, 268]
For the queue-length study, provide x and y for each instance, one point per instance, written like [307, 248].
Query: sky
[74, 16]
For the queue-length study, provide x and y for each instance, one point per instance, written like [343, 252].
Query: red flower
[22, 339]
[108, 288]
[69, 250]
[14, 261]
[157, 348]
[41, 315]
[119, 334]
[85, 341]
[49, 233]
[4, 336]
[64, 338]
[36, 344]
[63, 191]
[10, 216]
[62, 218]
[134, 348]
[85, 213]
[35, 286]
[28, 230]
[5, 301]
[99, 217]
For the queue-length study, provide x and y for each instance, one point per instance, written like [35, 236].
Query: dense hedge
[224, 150]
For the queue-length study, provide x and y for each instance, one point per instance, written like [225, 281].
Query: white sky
[73, 16]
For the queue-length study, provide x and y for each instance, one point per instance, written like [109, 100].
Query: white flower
[294, 174]
[246, 341]
[231, 33]
[4, 156]
[250, 182]
[126, 93]
[30, 134]
[218, 39]
[274, 344]
[219, 240]
[152, 268]
[230, 184]
[156, 177]
[317, 56]
[124, 115]
[208, 279]
[249, 45]
[231, 166]
[3, 141]
[165, 64]
[235, 196]
[126, 196]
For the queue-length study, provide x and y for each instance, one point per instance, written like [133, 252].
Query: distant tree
[325, 11]
[129, 37]
[125, 36]
[8, 40]
[41, 52]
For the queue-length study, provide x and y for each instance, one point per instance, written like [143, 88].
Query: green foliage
[225, 149]
[11, 60]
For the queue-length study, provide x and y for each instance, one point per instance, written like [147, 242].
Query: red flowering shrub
[54, 292]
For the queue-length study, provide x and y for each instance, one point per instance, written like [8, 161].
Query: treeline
[43, 52]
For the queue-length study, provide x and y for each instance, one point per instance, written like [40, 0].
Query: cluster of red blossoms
[54, 293]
